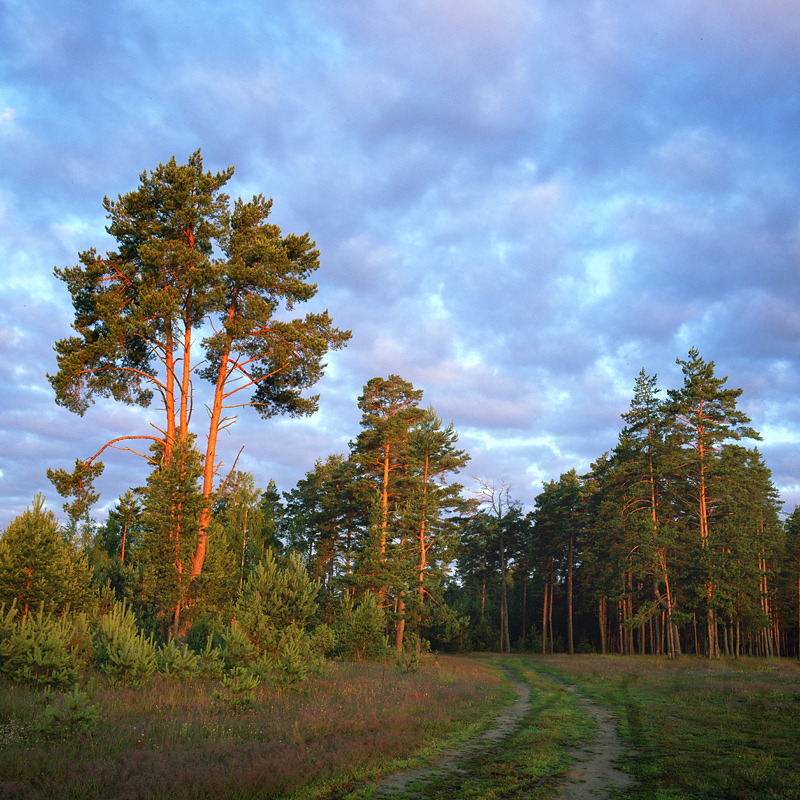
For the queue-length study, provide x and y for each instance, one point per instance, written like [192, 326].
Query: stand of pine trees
[672, 544]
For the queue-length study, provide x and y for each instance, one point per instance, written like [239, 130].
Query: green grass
[697, 729]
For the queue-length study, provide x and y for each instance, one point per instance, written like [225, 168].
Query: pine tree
[702, 416]
[139, 308]
[642, 459]
[38, 567]
[325, 518]
[173, 504]
[390, 410]
[434, 456]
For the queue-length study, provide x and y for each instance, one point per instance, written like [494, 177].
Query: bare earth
[593, 775]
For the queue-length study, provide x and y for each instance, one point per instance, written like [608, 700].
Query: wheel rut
[449, 763]
[594, 773]
[592, 776]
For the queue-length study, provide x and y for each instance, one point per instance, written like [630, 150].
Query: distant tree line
[671, 544]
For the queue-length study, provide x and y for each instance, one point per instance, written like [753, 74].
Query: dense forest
[673, 543]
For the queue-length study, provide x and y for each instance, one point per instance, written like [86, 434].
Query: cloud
[518, 206]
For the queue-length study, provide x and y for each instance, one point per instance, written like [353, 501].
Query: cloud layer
[519, 205]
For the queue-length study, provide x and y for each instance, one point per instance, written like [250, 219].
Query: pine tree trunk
[602, 607]
[570, 641]
[524, 610]
[550, 610]
[544, 616]
[505, 645]
[401, 624]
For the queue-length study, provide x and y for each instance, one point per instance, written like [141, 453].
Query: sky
[519, 204]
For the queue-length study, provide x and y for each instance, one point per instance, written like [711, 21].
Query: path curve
[449, 763]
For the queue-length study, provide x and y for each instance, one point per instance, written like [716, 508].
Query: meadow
[698, 729]
[694, 729]
[342, 727]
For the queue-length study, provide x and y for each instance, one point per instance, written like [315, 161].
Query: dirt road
[591, 777]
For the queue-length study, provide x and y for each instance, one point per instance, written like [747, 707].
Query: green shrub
[237, 648]
[68, 715]
[361, 633]
[408, 661]
[323, 640]
[237, 689]
[293, 661]
[175, 660]
[121, 651]
[212, 661]
[35, 650]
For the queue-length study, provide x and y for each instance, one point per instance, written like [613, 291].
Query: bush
[35, 650]
[177, 661]
[237, 648]
[361, 632]
[68, 715]
[121, 651]
[237, 689]
[323, 640]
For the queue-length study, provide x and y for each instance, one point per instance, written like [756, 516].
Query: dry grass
[173, 740]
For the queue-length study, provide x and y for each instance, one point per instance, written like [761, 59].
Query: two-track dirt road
[591, 777]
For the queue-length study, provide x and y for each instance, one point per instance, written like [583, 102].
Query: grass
[173, 740]
[699, 730]
[696, 730]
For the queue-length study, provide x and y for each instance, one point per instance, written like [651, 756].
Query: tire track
[595, 773]
[449, 763]
[592, 777]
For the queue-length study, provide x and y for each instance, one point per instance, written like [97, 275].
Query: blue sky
[518, 206]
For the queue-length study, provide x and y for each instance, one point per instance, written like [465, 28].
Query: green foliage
[293, 662]
[68, 715]
[36, 650]
[177, 661]
[77, 484]
[408, 661]
[361, 632]
[237, 689]
[237, 649]
[276, 596]
[323, 640]
[212, 662]
[172, 505]
[121, 651]
[37, 567]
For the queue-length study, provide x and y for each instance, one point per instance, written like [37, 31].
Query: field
[697, 728]
[693, 729]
